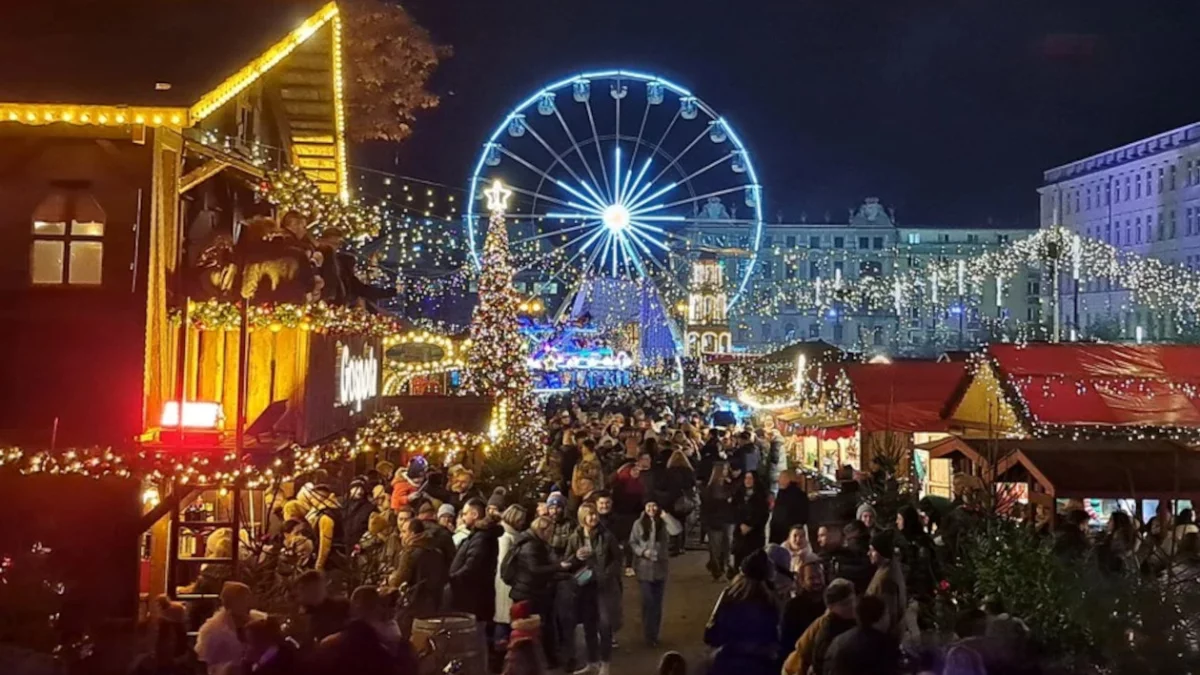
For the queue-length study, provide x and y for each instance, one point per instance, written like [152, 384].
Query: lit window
[68, 240]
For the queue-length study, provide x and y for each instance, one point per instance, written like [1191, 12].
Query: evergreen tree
[496, 359]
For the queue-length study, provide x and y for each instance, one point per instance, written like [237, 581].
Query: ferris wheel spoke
[544, 235]
[637, 144]
[644, 236]
[633, 184]
[592, 236]
[538, 195]
[599, 154]
[689, 200]
[558, 159]
[708, 167]
[632, 255]
[575, 144]
[636, 207]
[675, 160]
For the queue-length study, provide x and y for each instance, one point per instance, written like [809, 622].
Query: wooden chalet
[131, 135]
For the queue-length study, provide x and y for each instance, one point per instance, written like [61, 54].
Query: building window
[972, 238]
[914, 237]
[68, 240]
[1190, 222]
[814, 330]
[768, 241]
[1160, 180]
[870, 268]
[877, 243]
[791, 242]
[1126, 197]
[839, 269]
[839, 242]
[1172, 223]
[944, 238]
[814, 241]
[814, 270]
[1171, 177]
[1033, 287]
[1137, 186]
[1159, 225]
[864, 242]
[1002, 239]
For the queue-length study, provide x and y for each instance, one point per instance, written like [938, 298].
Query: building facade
[1142, 197]
[869, 243]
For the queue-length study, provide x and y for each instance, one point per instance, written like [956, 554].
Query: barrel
[449, 637]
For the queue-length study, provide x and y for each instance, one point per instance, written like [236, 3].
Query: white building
[1142, 197]
[870, 242]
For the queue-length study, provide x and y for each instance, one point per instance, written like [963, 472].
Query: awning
[1109, 385]
[905, 395]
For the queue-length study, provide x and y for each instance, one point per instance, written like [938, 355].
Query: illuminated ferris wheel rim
[615, 213]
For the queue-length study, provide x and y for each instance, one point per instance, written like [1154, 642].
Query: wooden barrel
[446, 638]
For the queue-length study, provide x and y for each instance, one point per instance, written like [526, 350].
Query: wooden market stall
[165, 173]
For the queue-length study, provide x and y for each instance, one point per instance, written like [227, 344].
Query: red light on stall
[196, 415]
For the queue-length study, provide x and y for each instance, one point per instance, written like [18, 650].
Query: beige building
[1142, 197]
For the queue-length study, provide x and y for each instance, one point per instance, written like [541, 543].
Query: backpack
[508, 566]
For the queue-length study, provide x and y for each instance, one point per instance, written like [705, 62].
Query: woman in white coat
[513, 520]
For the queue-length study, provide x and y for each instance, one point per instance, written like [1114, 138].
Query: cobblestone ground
[691, 593]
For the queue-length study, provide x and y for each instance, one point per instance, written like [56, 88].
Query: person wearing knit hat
[446, 515]
[888, 582]
[497, 503]
[865, 514]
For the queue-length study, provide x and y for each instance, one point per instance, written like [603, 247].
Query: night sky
[948, 111]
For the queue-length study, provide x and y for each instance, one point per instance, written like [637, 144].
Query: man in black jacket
[867, 649]
[791, 508]
[473, 572]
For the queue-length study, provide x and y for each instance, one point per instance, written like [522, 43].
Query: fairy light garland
[319, 317]
[293, 190]
[383, 432]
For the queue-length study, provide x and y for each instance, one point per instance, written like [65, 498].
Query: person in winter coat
[752, 509]
[650, 551]
[678, 492]
[318, 615]
[805, 607]
[534, 574]
[628, 494]
[513, 521]
[422, 569]
[810, 651]
[356, 513]
[710, 453]
[473, 572]
[743, 628]
[588, 467]
[442, 538]
[717, 517]
[408, 483]
[595, 560]
[798, 547]
[556, 509]
[791, 508]
[567, 457]
[868, 648]
[219, 643]
[267, 651]
[888, 583]
[839, 561]
[918, 555]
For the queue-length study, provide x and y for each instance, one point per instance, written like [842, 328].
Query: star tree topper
[497, 197]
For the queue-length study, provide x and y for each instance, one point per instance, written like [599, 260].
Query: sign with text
[358, 375]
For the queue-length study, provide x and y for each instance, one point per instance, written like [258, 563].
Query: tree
[496, 358]
[388, 59]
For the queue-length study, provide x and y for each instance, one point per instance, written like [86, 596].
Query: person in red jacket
[407, 483]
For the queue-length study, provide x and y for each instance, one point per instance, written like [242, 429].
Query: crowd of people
[625, 476]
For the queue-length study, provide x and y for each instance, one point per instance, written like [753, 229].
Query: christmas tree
[496, 359]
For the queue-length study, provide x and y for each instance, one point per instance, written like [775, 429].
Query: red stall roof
[1109, 385]
[905, 395]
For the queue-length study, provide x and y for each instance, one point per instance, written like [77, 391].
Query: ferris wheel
[612, 174]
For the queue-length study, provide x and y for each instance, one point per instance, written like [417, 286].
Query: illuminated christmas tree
[496, 359]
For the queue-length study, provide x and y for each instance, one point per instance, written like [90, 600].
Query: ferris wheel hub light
[615, 217]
